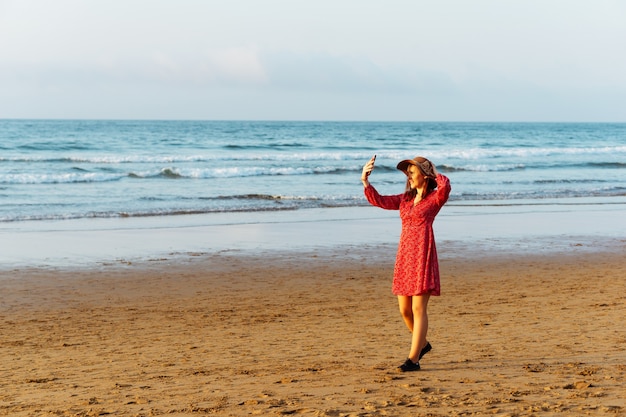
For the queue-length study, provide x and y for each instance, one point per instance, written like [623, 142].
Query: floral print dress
[417, 268]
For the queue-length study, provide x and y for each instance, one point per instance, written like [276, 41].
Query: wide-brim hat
[422, 163]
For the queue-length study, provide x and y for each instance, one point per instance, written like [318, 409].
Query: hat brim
[404, 165]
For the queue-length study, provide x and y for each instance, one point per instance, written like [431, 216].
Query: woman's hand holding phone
[367, 170]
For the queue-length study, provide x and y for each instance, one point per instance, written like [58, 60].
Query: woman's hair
[411, 193]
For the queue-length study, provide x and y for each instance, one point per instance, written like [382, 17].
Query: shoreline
[463, 230]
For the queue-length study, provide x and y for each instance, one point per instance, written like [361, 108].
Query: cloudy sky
[450, 60]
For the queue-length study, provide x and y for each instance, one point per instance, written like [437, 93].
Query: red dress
[417, 268]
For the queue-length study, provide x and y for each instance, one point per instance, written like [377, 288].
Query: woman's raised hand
[434, 170]
[367, 170]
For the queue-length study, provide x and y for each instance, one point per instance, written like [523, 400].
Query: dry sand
[304, 334]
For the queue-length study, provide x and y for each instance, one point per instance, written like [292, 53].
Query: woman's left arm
[443, 189]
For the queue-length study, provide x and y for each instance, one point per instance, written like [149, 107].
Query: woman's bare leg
[406, 310]
[419, 304]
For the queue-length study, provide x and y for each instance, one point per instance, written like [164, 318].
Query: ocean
[79, 169]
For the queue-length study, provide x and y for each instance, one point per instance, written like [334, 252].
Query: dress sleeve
[443, 189]
[387, 202]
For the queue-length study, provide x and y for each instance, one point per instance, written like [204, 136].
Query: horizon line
[104, 119]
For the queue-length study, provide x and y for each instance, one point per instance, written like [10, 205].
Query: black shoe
[409, 366]
[425, 350]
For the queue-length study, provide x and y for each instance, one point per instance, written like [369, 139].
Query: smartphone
[367, 173]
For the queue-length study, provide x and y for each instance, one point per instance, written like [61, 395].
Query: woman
[416, 273]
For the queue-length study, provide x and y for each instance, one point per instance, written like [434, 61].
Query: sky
[380, 60]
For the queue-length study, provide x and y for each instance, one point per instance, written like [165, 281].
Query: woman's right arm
[388, 202]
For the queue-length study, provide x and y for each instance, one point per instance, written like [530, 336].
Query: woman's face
[416, 178]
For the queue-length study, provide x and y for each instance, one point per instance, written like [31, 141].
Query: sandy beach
[313, 333]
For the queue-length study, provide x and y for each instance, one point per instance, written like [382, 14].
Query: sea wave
[275, 145]
[468, 154]
[58, 178]
[82, 175]
[270, 197]
[446, 168]
[237, 172]
[272, 203]
[242, 204]
[538, 195]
